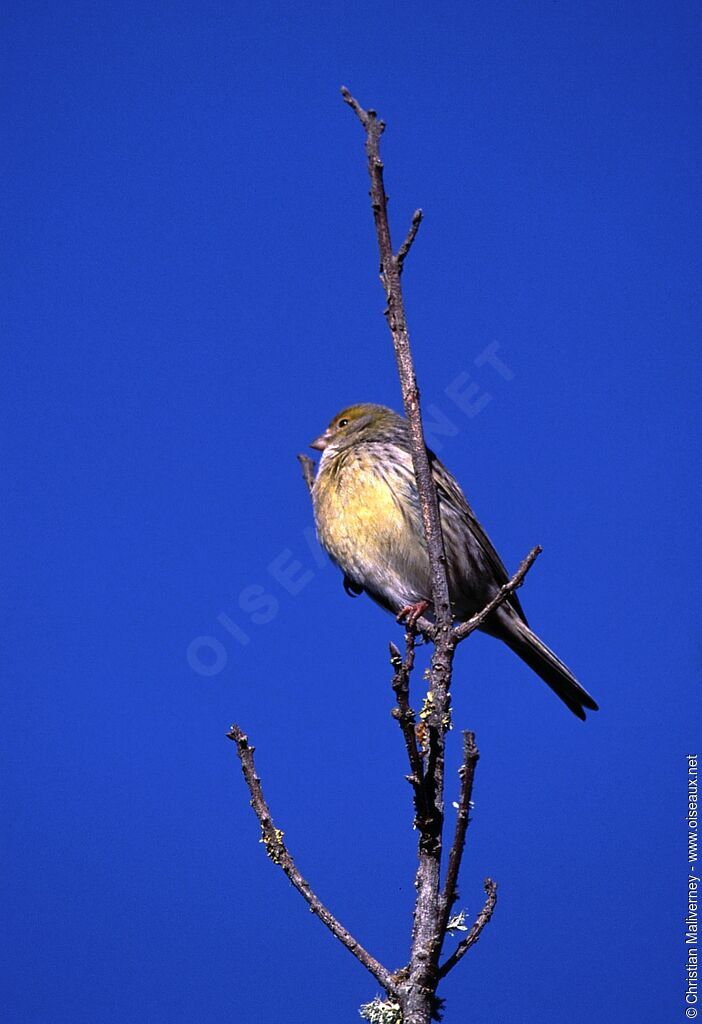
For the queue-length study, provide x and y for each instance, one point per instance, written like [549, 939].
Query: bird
[368, 519]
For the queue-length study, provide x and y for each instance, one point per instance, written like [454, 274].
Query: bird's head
[355, 423]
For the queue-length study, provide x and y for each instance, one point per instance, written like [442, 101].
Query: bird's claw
[411, 612]
[351, 588]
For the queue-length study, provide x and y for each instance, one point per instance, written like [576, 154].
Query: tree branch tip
[464, 630]
[309, 470]
[364, 116]
[470, 747]
[473, 935]
[411, 235]
[529, 561]
[272, 839]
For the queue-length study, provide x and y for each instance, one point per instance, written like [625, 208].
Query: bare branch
[272, 839]
[309, 470]
[420, 987]
[474, 934]
[405, 716]
[415, 985]
[363, 115]
[425, 628]
[390, 277]
[466, 628]
[411, 235]
[471, 755]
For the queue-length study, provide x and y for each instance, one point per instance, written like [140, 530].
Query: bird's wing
[448, 491]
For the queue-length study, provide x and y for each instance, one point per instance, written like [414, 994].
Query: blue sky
[190, 293]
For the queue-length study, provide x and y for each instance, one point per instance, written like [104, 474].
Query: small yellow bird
[368, 519]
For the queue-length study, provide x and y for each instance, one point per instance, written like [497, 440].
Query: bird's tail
[546, 664]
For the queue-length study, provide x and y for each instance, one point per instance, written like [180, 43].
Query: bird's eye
[343, 423]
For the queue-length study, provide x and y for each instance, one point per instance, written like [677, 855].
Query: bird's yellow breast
[359, 520]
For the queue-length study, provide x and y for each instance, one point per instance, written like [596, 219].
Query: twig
[309, 469]
[405, 716]
[272, 838]
[411, 235]
[471, 755]
[466, 628]
[474, 934]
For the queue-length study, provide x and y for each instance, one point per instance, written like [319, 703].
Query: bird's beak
[321, 442]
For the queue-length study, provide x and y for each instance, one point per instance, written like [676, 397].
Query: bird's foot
[351, 588]
[411, 612]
